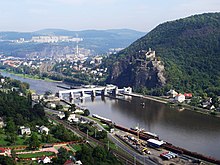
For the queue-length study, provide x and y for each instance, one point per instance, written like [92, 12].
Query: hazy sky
[143, 15]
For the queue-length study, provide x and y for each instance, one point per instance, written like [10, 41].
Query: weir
[104, 90]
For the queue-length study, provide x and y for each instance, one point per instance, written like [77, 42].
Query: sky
[141, 15]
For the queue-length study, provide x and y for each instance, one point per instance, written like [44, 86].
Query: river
[193, 131]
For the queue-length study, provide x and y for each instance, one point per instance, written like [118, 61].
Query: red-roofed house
[69, 162]
[3, 151]
[188, 95]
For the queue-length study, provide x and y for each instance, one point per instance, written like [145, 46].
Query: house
[188, 95]
[78, 162]
[211, 107]
[69, 162]
[51, 105]
[44, 160]
[44, 129]
[79, 111]
[205, 104]
[172, 93]
[180, 98]
[25, 130]
[4, 152]
[2, 80]
[1, 122]
[61, 115]
[34, 96]
[72, 118]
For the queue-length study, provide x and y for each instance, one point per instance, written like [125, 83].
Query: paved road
[141, 158]
[137, 158]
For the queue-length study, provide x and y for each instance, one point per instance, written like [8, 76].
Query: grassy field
[35, 155]
[76, 147]
[4, 142]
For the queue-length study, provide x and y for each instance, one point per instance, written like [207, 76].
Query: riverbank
[36, 77]
[182, 106]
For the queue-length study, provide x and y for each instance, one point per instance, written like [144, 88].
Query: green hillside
[189, 48]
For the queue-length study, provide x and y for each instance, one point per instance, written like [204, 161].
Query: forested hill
[189, 49]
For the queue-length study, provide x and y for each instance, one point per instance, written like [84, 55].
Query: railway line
[130, 160]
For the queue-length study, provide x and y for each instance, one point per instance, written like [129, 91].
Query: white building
[2, 80]
[44, 160]
[172, 93]
[180, 98]
[73, 118]
[61, 115]
[78, 162]
[34, 96]
[44, 129]
[25, 130]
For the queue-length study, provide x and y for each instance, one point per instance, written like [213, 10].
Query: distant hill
[189, 49]
[99, 41]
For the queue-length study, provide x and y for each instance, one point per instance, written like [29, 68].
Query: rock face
[145, 70]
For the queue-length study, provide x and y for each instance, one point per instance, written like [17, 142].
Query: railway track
[124, 157]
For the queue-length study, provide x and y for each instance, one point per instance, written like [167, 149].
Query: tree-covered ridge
[190, 49]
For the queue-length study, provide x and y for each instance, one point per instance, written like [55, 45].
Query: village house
[25, 130]
[70, 162]
[2, 80]
[188, 95]
[73, 118]
[43, 129]
[44, 160]
[180, 98]
[172, 93]
[4, 152]
[61, 115]
[34, 96]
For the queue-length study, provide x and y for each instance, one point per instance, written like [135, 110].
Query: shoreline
[29, 76]
[186, 107]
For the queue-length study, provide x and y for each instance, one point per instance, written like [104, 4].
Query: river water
[193, 131]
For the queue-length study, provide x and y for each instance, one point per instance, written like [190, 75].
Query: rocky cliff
[144, 70]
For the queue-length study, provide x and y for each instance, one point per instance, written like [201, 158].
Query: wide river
[187, 129]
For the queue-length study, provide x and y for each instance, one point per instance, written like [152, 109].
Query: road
[137, 158]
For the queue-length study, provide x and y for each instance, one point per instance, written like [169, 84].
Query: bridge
[93, 90]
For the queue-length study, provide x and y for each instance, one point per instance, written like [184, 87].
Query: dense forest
[189, 49]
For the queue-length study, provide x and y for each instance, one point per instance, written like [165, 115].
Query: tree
[5, 160]
[38, 111]
[99, 153]
[10, 127]
[62, 156]
[59, 107]
[73, 107]
[86, 112]
[67, 114]
[34, 142]
[13, 154]
[11, 137]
